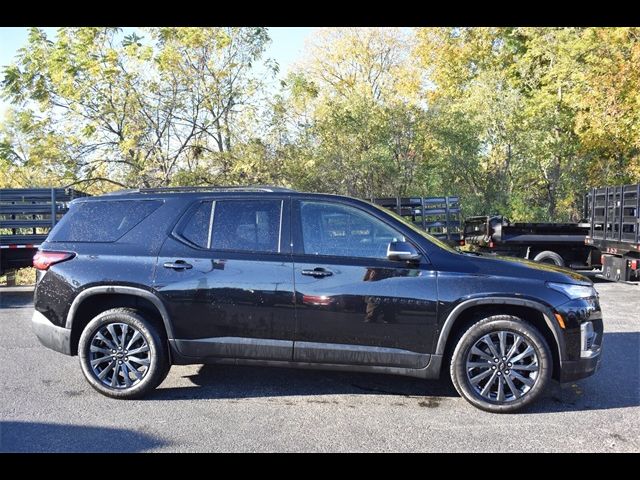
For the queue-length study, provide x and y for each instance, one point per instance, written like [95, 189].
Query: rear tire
[518, 377]
[549, 257]
[122, 354]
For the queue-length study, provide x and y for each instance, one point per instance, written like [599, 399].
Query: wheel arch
[540, 315]
[94, 300]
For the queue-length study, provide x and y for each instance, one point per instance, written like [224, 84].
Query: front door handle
[317, 272]
[178, 265]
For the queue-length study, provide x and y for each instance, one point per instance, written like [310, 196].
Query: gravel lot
[47, 406]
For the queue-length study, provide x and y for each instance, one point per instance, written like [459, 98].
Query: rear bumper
[50, 335]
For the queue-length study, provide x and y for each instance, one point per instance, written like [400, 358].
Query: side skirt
[430, 371]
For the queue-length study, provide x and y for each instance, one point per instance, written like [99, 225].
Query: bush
[24, 276]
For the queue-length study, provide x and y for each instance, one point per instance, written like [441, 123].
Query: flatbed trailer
[26, 217]
[438, 216]
[615, 230]
[561, 244]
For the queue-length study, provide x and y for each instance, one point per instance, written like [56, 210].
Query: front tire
[501, 364]
[122, 354]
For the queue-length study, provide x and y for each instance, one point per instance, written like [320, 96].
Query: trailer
[26, 217]
[561, 244]
[615, 230]
[438, 216]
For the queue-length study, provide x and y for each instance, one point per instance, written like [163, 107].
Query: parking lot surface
[47, 406]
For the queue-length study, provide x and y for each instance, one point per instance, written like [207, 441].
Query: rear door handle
[178, 265]
[317, 272]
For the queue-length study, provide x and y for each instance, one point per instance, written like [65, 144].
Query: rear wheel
[501, 364]
[122, 354]
[552, 258]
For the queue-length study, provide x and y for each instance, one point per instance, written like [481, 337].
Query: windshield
[419, 231]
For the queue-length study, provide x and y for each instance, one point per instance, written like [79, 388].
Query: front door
[226, 277]
[353, 305]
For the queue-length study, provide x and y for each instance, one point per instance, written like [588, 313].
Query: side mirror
[402, 251]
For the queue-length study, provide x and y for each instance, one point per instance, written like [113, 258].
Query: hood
[521, 268]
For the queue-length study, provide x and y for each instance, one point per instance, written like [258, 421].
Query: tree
[141, 112]
[32, 155]
[362, 132]
[608, 104]
[518, 121]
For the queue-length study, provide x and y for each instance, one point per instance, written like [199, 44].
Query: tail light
[601, 259]
[43, 260]
[633, 264]
[461, 242]
[491, 244]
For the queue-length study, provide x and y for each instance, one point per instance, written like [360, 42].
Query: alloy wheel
[119, 355]
[502, 366]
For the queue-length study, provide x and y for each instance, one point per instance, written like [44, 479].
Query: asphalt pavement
[47, 406]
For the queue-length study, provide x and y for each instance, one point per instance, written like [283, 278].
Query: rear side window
[101, 221]
[246, 225]
[197, 228]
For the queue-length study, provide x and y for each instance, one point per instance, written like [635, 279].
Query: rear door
[226, 276]
[354, 306]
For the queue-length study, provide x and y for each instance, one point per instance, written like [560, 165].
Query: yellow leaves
[633, 169]
[169, 58]
[192, 37]
[146, 53]
[359, 61]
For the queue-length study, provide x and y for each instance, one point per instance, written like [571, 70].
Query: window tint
[101, 221]
[343, 231]
[197, 228]
[249, 225]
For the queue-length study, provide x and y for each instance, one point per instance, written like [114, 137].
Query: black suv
[135, 281]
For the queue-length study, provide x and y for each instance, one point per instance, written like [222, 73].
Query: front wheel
[501, 364]
[122, 354]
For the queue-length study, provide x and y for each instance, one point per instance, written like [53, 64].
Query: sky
[287, 45]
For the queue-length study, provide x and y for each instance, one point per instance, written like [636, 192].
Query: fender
[133, 291]
[547, 313]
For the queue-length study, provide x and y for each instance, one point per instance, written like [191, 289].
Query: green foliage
[524, 95]
[518, 121]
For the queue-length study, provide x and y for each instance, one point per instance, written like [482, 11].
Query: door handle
[317, 272]
[178, 265]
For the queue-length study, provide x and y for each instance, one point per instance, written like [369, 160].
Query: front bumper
[50, 335]
[583, 334]
[587, 363]
[582, 368]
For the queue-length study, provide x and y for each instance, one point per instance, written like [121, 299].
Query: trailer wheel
[549, 257]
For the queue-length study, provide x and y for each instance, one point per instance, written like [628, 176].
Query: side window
[246, 225]
[343, 231]
[197, 228]
[102, 220]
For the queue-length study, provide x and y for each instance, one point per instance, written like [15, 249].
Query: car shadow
[52, 437]
[615, 385]
[236, 382]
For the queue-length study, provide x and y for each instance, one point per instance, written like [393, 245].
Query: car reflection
[377, 310]
[369, 308]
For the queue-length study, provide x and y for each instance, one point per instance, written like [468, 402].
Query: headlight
[574, 291]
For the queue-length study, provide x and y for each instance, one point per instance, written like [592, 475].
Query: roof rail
[252, 188]
[122, 192]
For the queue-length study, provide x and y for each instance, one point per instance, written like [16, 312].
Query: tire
[549, 257]
[534, 367]
[150, 351]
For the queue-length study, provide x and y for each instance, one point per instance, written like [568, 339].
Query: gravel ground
[47, 406]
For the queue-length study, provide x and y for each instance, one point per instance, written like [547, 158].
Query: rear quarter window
[101, 221]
